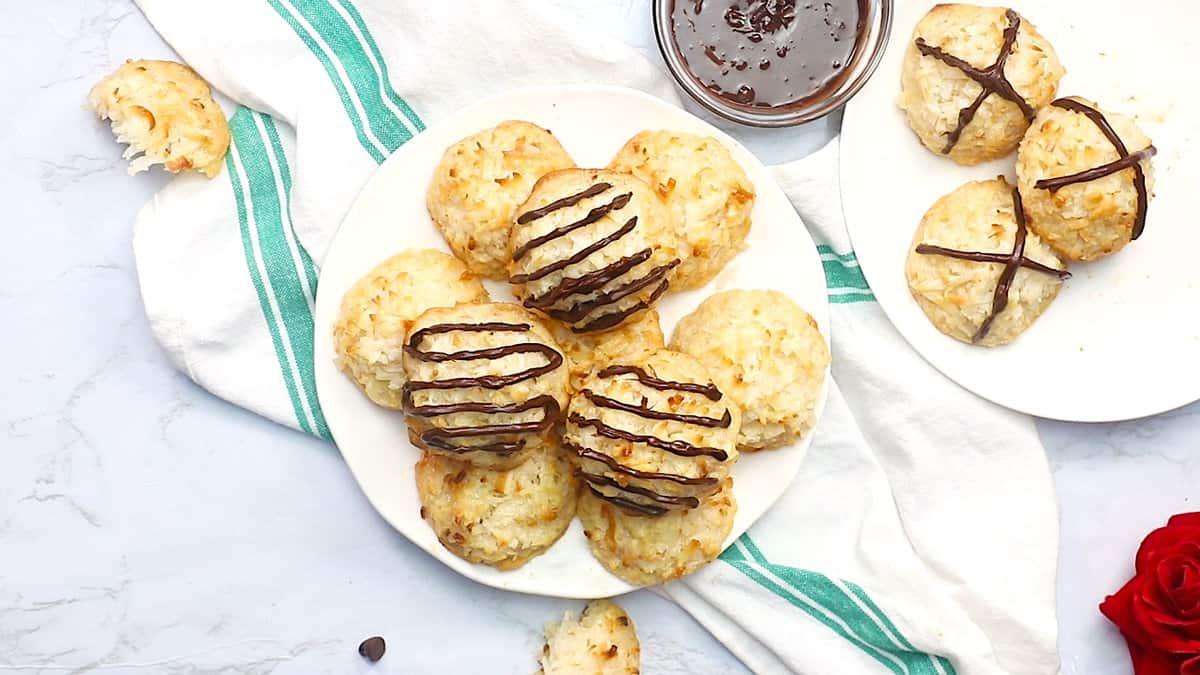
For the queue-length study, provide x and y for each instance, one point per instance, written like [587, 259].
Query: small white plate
[1122, 340]
[389, 216]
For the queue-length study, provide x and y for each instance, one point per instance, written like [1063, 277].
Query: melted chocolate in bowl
[768, 53]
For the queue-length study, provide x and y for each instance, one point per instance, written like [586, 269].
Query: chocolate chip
[372, 648]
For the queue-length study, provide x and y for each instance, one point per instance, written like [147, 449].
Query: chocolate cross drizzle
[1012, 262]
[992, 79]
[444, 438]
[597, 280]
[638, 499]
[1127, 160]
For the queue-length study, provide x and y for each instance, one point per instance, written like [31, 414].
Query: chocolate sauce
[1126, 160]
[1012, 262]
[592, 216]
[590, 282]
[992, 79]
[442, 438]
[708, 391]
[582, 309]
[767, 53]
[614, 319]
[651, 414]
[571, 200]
[617, 467]
[670, 501]
[628, 505]
[596, 280]
[680, 448]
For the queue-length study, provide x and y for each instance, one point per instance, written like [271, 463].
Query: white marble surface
[147, 527]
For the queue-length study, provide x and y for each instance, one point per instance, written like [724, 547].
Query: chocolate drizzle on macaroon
[512, 434]
[1126, 160]
[637, 499]
[1012, 262]
[596, 282]
[992, 79]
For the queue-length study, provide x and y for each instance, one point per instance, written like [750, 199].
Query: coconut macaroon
[602, 641]
[486, 384]
[587, 352]
[592, 248]
[648, 551]
[166, 114]
[1086, 178]
[654, 435]
[767, 354]
[973, 78]
[368, 336]
[706, 191]
[976, 271]
[498, 518]
[480, 181]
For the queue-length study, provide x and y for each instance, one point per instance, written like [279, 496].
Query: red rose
[1158, 611]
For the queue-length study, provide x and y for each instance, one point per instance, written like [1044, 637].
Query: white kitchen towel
[921, 535]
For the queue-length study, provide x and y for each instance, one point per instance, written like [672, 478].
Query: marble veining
[146, 526]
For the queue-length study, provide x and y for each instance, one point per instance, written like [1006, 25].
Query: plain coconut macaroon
[592, 248]
[767, 354]
[587, 352]
[647, 551]
[601, 641]
[498, 518]
[962, 271]
[981, 116]
[368, 335]
[653, 435]
[487, 384]
[1085, 194]
[480, 181]
[166, 114]
[707, 192]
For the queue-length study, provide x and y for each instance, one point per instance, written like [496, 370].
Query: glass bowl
[877, 26]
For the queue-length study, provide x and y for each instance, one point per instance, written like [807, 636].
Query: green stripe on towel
[843, 277]
[844, 608]
[283, 275]
[338, 37]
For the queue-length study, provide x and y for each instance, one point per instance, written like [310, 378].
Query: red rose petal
[1185, 520]
[1162, 542]
[1118, 607]
[1190, 667]
[1182, 587]
[1148, 662]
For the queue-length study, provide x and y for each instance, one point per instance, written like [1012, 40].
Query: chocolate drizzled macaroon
[486, 384]
[973, 78]
[648, 551]
[652, 436]
[1086, 178]
[591, 248]
[976, 271]
[498, 518]
[480, 181]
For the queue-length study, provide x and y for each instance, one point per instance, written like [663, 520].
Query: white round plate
[592, 123]
[1122, 340]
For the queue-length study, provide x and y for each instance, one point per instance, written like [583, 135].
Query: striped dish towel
[921, 535]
